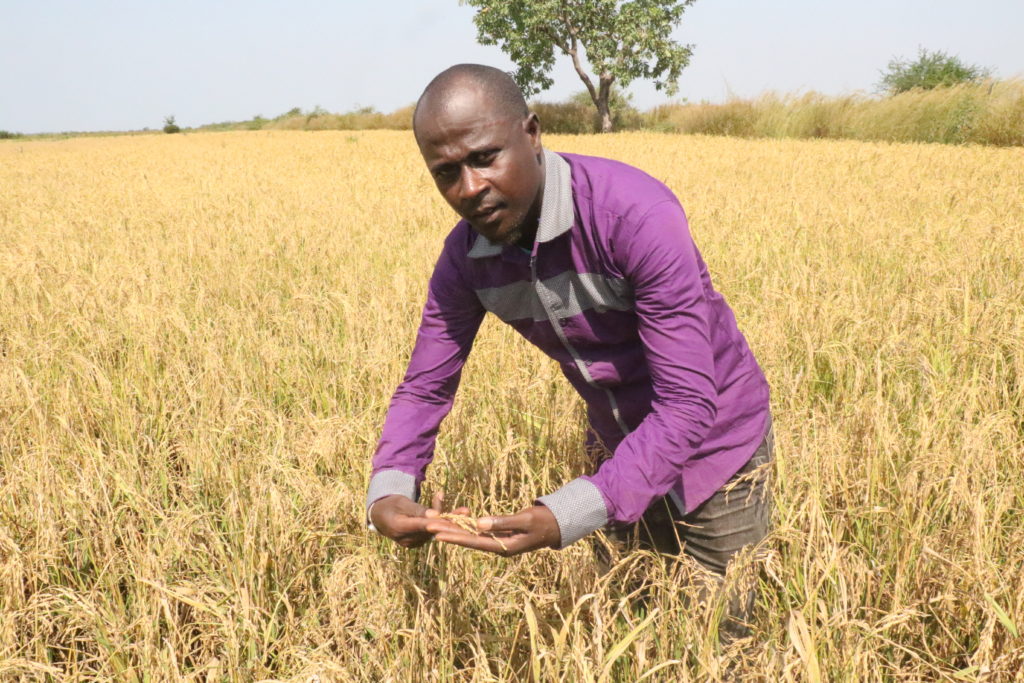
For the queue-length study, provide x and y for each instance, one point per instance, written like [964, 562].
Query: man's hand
[405, 521]
[533, 528]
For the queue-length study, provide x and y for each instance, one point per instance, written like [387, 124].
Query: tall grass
[199, 336]
[989, 113]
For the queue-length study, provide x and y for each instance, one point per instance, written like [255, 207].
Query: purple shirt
[616, 292]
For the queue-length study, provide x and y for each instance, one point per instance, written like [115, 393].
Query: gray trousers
[735, 517]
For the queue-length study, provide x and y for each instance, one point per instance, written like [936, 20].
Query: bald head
[484, 84]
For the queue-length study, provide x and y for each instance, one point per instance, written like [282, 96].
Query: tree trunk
[603, 109]
[606, 118]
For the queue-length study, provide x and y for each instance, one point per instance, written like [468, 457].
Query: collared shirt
[617, 293]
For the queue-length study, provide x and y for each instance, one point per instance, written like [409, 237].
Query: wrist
[387, 483]
[552, 532]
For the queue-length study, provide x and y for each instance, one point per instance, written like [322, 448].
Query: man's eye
[482, 159]
[444, 174]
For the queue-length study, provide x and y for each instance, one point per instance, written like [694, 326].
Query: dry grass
[990, 113]
[199, 336]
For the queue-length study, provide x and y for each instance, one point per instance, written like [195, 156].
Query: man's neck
[527, 239]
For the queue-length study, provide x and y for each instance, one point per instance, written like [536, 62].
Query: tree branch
[574, 53]
[556, 41]
[572, 50]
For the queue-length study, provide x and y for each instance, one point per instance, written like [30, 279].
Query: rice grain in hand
[467, 523]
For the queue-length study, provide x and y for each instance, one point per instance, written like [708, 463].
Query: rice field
[199, 335]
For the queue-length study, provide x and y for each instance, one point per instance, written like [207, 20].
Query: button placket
[559, 324]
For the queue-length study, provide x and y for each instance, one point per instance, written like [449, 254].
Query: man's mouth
[486, 213]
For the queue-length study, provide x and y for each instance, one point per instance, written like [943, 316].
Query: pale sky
[125, 64]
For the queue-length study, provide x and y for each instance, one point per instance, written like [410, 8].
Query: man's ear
[531, 126]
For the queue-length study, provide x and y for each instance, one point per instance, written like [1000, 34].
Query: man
[592, 261]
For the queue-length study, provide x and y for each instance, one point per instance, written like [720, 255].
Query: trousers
[735, 517]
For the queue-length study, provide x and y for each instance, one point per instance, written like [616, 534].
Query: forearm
[451, 317]
[406, 446]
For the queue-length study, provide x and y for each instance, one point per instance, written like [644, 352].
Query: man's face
[486, 165]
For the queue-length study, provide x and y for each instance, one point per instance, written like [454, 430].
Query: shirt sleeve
[664, 269]
[451, 318]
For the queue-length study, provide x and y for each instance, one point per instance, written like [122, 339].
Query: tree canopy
[620, 40]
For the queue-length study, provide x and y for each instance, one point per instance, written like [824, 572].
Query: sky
[74, 65]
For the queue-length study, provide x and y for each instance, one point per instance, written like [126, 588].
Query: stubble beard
[515, 234]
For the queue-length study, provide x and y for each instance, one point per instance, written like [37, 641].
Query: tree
[929, 70]
[621, 40]
[170, 126]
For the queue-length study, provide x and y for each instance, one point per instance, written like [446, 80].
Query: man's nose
[472, 183]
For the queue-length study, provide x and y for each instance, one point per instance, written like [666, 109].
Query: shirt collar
[556, 212]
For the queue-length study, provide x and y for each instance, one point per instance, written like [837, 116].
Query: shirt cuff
[390, 482]
[578, 508]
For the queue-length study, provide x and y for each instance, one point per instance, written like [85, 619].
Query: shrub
[170, 126]
[578, 115]
[930, 70]
[569, 118]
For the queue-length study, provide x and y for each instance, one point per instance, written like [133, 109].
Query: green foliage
[930, 70]
[8, 135]
[170, 126]
[622, 41]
